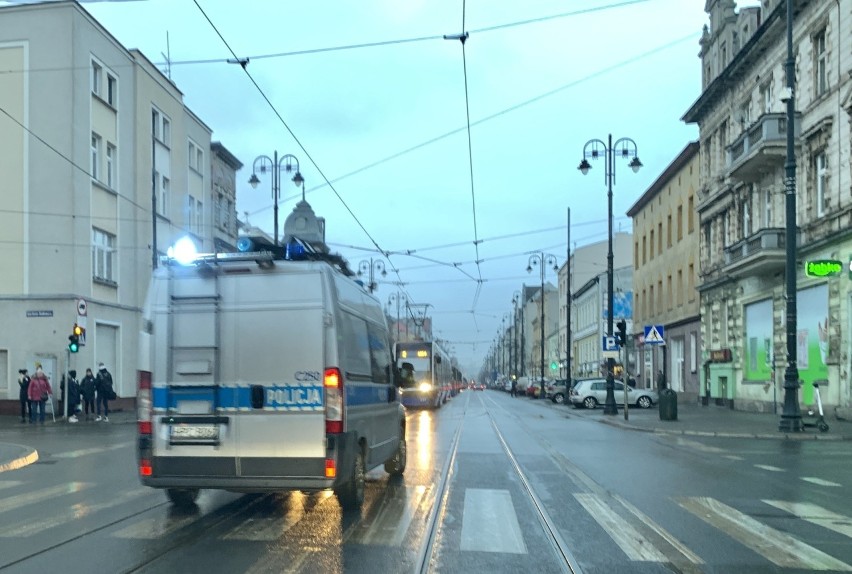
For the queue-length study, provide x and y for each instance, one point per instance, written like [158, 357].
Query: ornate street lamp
[624, 147]
[372, 267]
[263, 164]
[542, 259]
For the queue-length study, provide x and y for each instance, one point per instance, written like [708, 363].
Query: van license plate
[195, 432]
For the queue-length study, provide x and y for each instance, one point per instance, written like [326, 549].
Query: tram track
[427, 558]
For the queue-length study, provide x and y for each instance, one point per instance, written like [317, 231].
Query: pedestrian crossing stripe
[653, 335]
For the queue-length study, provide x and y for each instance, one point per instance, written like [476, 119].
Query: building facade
[665, 275]
[741, 199]
[589, 307]
[584, 264]
[92, 133]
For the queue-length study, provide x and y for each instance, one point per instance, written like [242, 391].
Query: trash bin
[668, 405]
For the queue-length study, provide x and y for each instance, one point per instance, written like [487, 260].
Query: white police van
[263, 371]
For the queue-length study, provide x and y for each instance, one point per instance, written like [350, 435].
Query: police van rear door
[279, 335]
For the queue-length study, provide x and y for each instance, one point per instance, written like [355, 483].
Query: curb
[23, 456]
[714, 434]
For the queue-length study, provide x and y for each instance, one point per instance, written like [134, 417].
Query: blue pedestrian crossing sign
[654, 335]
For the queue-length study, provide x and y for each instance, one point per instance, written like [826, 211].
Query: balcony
[762, 253]
[761, 148]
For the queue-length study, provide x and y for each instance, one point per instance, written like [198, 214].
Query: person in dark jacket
[73, 395]
[24, 385]
[87, 389]
[103, 386]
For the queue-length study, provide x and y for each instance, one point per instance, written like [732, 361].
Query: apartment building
[665, 274]
[89, 133]
[585, 263]
[589, 310]
[741, 199]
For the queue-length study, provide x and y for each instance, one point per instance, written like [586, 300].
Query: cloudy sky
[375, 104]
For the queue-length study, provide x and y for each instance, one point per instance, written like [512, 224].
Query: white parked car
[590, 393]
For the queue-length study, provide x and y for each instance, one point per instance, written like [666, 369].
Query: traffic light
[74, 338]
[621, 333]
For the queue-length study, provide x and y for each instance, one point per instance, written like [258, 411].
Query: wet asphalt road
[493, 484]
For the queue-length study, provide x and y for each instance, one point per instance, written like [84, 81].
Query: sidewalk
[717, 421]
[12, 432]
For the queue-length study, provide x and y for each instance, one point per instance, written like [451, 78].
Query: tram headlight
[425, 387]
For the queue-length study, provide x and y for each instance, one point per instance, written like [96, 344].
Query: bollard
[668, 405]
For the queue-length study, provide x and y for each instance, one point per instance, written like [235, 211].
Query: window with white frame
[167, 131]
[156, 122]
[726, 229]
[110, 166]
[744, 115]
[112, 90]
[97, 73]
[747, 215]
[766, 97]
[820, 64]
[693, 353]
[767, 208]
[96, 156]
[103, 255]
[195, 214]
[820, 177]
[164, 196]
[161, 127]
[195, 157]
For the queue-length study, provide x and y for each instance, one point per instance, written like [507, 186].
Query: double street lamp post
[542, 259]
[372, 267]
[287, 163]
[593, 149]
[397, 298]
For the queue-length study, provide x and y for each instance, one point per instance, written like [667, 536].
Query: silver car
[589, 393]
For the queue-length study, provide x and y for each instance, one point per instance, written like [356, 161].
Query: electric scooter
[819, 421]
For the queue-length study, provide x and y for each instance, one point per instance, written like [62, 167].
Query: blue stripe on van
[358, 394]
[298, 397]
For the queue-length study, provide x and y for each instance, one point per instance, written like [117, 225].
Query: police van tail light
[143, 402]
[333, 385]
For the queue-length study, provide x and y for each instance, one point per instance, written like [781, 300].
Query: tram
[425, 374]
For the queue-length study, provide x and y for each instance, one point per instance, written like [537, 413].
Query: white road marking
[816, 515]
[733, 457]
[10, 483]
[819, 481]
[631, 542]
[153, 528]
[66, 515]
[770, 468]
[778, 547]
[489, 523]
[43, 495]
[700, 447]
[393, 520]
[94, 450]
[664, 534]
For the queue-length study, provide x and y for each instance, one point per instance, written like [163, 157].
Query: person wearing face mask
[39, 392]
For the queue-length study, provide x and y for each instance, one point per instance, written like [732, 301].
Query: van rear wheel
[182, 497]
[395, 465]
[351, 494]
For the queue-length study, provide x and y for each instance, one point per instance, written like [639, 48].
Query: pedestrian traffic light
[74, 338]
[621, 333]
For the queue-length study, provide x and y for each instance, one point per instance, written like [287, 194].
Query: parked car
[557, 391]
[534, 389]
[590, 393]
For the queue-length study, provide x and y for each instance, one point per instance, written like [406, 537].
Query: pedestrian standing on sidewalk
[39, 392]
[514, 388]
[87, 389]
[73, 396]
[23, 396]
[103, 386]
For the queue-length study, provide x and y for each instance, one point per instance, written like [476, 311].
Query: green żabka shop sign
[824, 268]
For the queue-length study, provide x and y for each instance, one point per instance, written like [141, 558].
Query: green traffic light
[74, 344]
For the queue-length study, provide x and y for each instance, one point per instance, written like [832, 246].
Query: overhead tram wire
[495, 115]
[376, 44]
[463, 38]
[243, 64]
